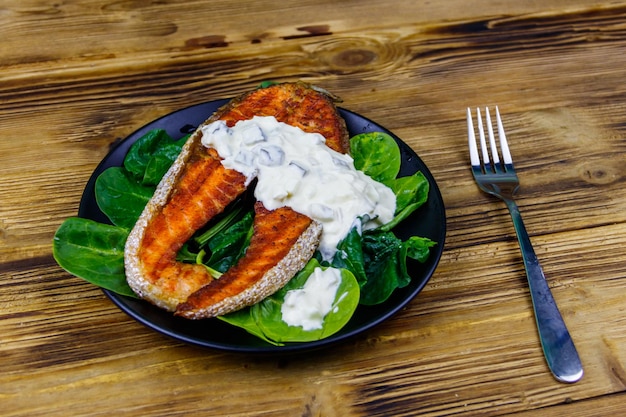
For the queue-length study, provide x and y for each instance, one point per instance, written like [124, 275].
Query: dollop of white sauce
[297, 169]
[306, 307]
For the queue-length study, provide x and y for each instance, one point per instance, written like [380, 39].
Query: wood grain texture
[76, 77]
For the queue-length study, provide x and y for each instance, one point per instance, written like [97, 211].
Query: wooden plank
[551, 142]
[465, 337]
[467, 344]
[39, 32]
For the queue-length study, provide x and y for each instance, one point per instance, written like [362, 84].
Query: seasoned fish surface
[282, 243]
[198, 187]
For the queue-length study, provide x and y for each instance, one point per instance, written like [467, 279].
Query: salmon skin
[198, 187]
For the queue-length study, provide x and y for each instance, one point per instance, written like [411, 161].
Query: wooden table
[78, 76]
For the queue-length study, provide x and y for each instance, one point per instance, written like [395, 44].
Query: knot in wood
[600, 175]
[354, 58]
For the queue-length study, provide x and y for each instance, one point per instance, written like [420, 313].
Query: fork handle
[557, 344]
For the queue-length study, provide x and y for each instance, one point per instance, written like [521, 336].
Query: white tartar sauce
[297, 169]
[306, 307]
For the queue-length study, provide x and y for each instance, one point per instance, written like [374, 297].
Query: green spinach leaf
[121, 197]
[376, 154]
[411, 193]
[142, 150]
[244, 320]
[378, 260]
[415, 247]
[268, 316]
[349, 256]
[227, 247]
[409, 190]
[381, 266]
[93, 251]
[161, 160]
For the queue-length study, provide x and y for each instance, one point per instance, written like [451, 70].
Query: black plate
[429, 221]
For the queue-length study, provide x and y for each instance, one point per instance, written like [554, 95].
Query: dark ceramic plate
[429, 221]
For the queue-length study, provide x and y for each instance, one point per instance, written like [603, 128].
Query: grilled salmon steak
[198, 187]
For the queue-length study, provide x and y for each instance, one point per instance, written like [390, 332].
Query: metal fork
[498, 178]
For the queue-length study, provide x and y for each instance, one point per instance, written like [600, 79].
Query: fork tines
[475, 157]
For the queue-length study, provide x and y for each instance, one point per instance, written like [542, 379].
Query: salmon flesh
[198, 187]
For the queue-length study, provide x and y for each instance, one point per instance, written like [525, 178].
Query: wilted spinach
[377, 258]
[227, 247]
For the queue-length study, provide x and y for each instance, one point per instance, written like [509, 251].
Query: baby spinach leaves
[122, 192]
[373, 263]
[377, 257]
[227, 247]
[411, 193]
[377, 154]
